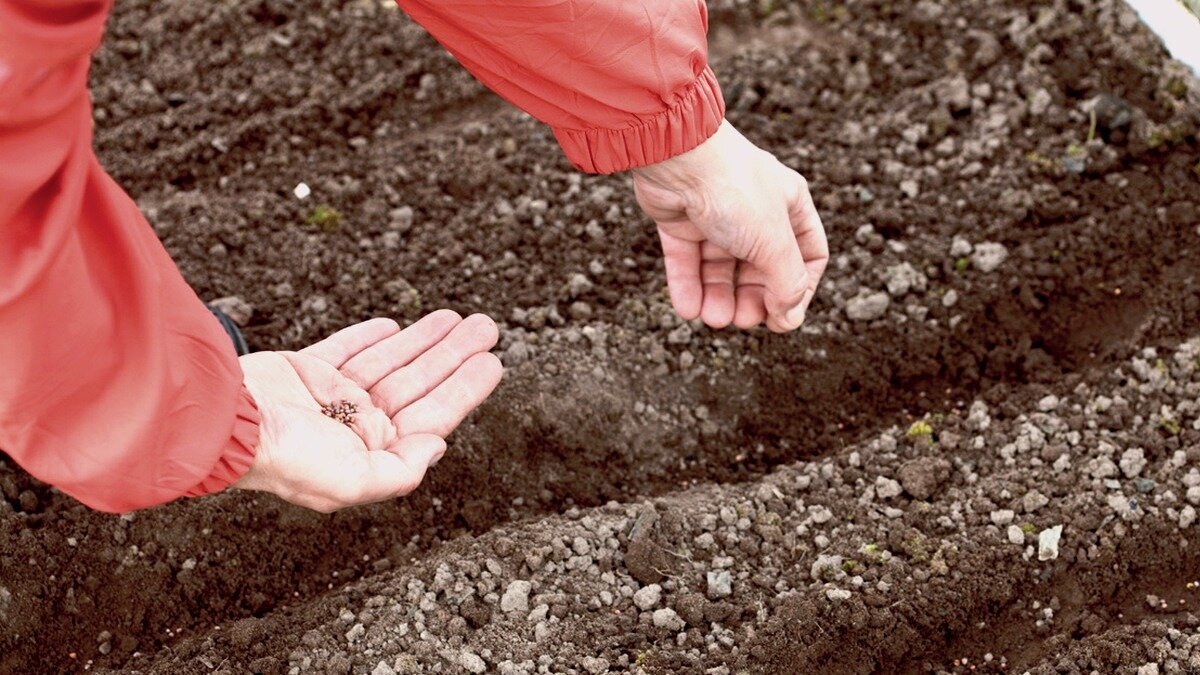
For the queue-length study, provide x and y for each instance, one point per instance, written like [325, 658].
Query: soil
[1019, 180]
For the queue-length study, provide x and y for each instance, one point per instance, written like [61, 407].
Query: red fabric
[623, 83]
[116, 383]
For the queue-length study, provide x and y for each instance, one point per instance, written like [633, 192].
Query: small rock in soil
[886, 488]
[472, 662]
[1048, 543]
[647, 596]
[988, 256]
[838, 594]
[595, 665]
[867, 307]
[720, 584]
[516, 598]
[666, 618]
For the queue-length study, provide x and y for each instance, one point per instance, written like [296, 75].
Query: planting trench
[618, 401]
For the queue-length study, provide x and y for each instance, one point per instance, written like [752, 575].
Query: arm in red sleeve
[116, 384]
[623, 83]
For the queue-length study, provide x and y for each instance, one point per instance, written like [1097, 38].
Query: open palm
[409, 390]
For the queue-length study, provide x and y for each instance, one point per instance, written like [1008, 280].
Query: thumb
[786, 279]
[401, 468]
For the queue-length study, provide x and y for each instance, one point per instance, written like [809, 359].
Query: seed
[342, 411]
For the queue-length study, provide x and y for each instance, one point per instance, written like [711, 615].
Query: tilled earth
[1006, 344]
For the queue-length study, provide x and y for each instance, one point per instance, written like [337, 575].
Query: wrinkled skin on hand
[410, 389]
[742, 240]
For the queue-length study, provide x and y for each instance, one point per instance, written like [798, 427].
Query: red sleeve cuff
[239, 452]
[690, 121]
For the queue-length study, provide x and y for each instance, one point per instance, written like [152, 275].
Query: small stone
[988, 256]
[382, 668]
[867, 307]
[472, 663]
[580, 311]
[954, 93]
[1148, 669]
[681, 335]
[903, 278]
[1039, 102]
[1187, 516]
[235, 308]
[827, 568]
[516, 597]
[302, 191]
[1132, 462]
[356, 631]
[1034, 500]
[666, 618]
[1016, 535]
[1112, 113]
[1048, 403]
[886, 488]
[647, 597]
[578, 285]
[1193, 495]
[1048, 543]
[401, 218]
[838, 594]
[910, 188]
[1002, 517]
[318, 304]
[950, 299]
[595, 665]
[1143, 485]
[960, 247]
[720, 584]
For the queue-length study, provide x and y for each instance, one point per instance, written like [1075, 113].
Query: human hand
[742, 240]
[410, 388]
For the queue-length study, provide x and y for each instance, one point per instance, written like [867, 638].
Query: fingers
[328, 386]
[384, 357]
[339, 347]
[444, 408]
[682, 261]
[717, 271]
[792, 261]
[474, 335]
[751, 309]
[810, 237]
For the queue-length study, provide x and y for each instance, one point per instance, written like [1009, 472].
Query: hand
[410, 388]
[741, 237]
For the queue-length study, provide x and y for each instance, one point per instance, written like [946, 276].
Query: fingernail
[795, 315]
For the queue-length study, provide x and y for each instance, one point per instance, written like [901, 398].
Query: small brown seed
[342, 411]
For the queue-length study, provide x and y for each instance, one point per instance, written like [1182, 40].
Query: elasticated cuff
[239, 452]
[693, 119]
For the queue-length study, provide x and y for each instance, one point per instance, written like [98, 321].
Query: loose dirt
[1004, 344]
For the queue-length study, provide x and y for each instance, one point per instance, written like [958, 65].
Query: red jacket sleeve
[623, 83]
[117, 385]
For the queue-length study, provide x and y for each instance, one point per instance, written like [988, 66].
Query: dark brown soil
[429, 192]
